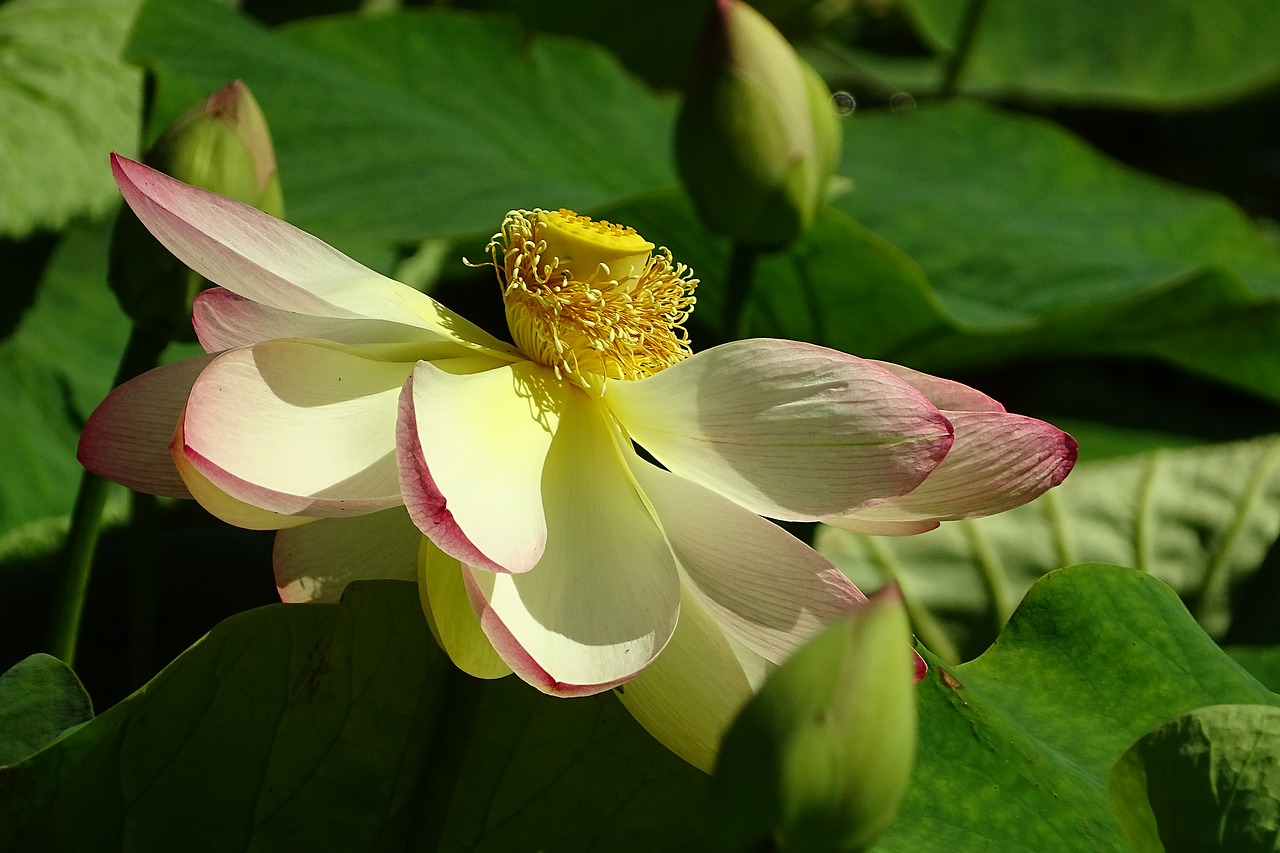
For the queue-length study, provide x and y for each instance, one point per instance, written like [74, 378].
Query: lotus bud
[757, 138]
[821, 757]
[222, 145]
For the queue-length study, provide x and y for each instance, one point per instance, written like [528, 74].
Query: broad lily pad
[343, 727]
[1016, 747]
[418, 124]
[1166, 54]
[55, 367]
[68, 100]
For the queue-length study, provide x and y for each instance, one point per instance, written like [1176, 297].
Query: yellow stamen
[589, 298]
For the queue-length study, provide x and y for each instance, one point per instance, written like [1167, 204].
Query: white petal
[315, 562]
[766, 588]
[471, 450]
[788, 430]
[298, 428]
[222, 505]
[999, 461]
[604, 599]
[223, 321]
[450, 615]
[688, 697]
[127, 437]
[270, 261]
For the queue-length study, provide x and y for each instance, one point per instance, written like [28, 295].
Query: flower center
[589, 298]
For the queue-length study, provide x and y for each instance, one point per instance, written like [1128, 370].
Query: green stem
[143, 603]
[141, 353]
[992, 573]
[953, 68]
[741, 279]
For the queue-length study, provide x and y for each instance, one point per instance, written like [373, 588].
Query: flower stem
[141, 353]
[739, 283]
[953, 68]
[143, 607]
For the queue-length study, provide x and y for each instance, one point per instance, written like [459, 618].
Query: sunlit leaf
[1017, 746]
[68, 101]
[54, 368]
[1262, 662]
[1201, 519]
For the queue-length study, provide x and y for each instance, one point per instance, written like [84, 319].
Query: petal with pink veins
[768, 590]
[947, 394]
[688, 697]
[315, 562]
[223, 320]
[271, 262]
[127, 437]
[788, 430]
[471, 453]
[449, 613]
[999, 461]
[297, 428]
[604, 599]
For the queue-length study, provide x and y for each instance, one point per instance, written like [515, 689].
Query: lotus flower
[385, 436]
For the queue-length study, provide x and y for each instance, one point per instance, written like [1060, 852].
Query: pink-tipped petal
[223, 320]
[999, 461]
[271, 262]
[767, 589]
[230, 509]
[127, 437]
[788, 430]
[315, 562]
[471, 451]
[947, 394]
[605, 597]
[297, 428]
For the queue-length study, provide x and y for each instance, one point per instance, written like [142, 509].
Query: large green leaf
[343, 727]
[1034, 243]
[40, 698]
[55, 367]
[67, 101]
[1201, 519]
[1017, 746]
[1143, 53]
[1207, 781]
[419, 124]
[1262, 662]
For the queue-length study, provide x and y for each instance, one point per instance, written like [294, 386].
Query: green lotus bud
[821, 757]
[222, 145]
[757, 138]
